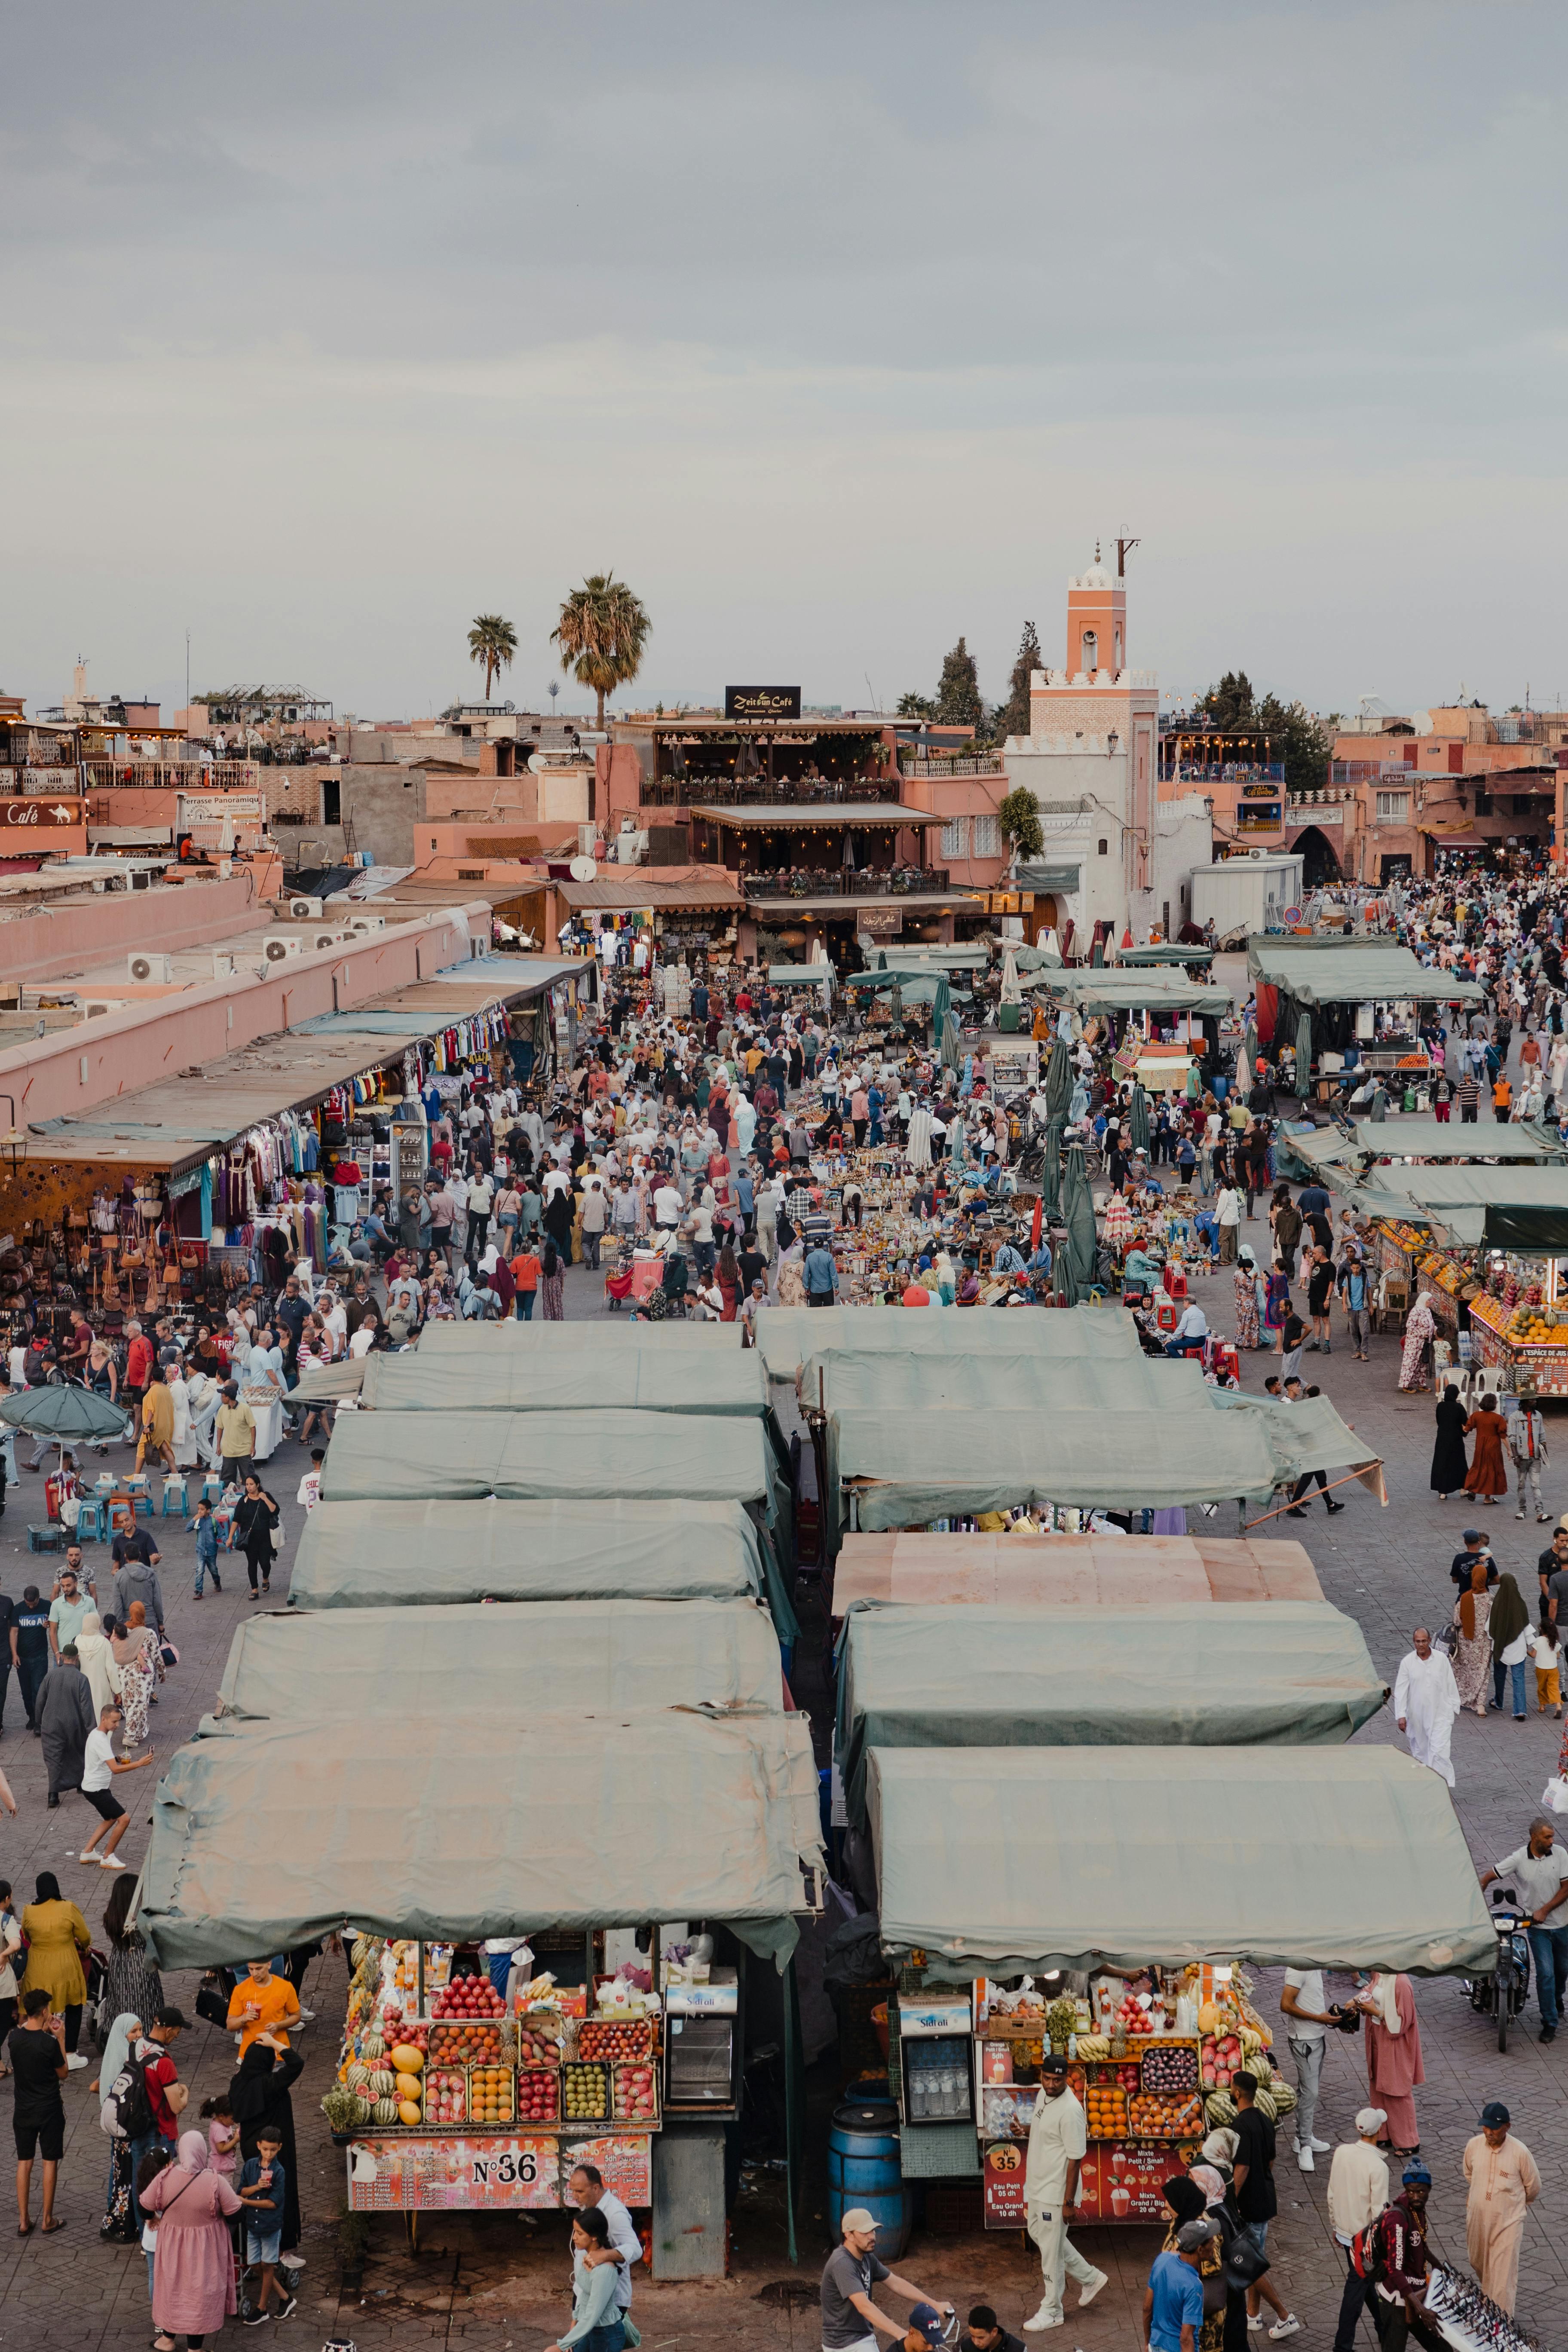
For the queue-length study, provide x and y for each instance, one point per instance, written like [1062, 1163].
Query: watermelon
[1219, 2108]
[385, 2111]
[356, 2074]
[383, 2081]
[1283, 2096]
[1265, 2104]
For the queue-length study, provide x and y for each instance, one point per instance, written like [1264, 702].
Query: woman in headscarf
[1449, 1468]
[1487, 1479]
[137, 1665]
[1275, 1301]
[1508, 1629]
[1219, 2206]
[1473, 1649]
[1420, 1328]
[1184, 2201]
[729, 1275]
[259, 2096]
[119, 2222]
[792, 1273]
[946, 1279]
[1248, 1305]
[131, 1980]
[57, 1937]
[193, 2278]
[552, 1277]
[93, 1656]
[1394, 2068]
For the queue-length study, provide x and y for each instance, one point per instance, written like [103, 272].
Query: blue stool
[92, 1519]
[174, 1497]
[212, 1488]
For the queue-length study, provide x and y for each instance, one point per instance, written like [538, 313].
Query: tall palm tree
[601, 634]
[493, 642]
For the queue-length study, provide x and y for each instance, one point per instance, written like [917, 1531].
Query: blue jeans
[525, 1299]
[1549, 1947]
[610, 2338]
[1517, 1673]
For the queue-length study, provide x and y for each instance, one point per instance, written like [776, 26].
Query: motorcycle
[1503, 1993]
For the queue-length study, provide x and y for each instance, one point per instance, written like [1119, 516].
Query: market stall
[364, 1555]
[1087, 1572]
[1354, 1002]
[787, 1335]
[488, 1377]
[547, 1341]
[1153, 1874]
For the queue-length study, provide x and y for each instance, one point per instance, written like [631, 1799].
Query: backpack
[1364, 2254]
[128, 2109]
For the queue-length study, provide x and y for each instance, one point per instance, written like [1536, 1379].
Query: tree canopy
[601, 634]
[1295, 737]
[1012, 719]
[1019, 818]
[493, 642]
[958, 702]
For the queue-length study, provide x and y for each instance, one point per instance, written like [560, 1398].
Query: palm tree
[601, 633]
[493, 642]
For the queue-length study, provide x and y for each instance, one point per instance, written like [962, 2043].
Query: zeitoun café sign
[761, 702]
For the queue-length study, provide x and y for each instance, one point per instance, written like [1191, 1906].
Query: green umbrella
[1140, 1118]
[1058, 1080]
[941, 1004]
[1051, 1170]
[1082, 1246]
[1303, 1055]
[67, 1415]
[951, 1048]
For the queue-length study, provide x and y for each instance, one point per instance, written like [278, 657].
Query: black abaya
[1449, 1468]
[259, 2096]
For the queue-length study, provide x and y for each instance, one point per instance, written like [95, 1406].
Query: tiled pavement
[496, 2284]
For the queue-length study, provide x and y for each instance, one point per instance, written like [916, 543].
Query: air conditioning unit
[303, 910]
[155, 967]
[225, 965]
[367, 923]
[325, 938]
[1256, 854]
[278, 946]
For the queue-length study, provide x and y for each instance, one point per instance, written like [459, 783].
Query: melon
[408, 2059]
[1283, 2096]
[1264, 2102]
[370, 2045]
[385, 2111]
[406, 2086]
[365, 2109]
[1208, 2018]
[408, 2112]
[1219, 2108]
[356, 2074]
[383, 2081]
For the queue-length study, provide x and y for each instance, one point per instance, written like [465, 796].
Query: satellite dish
[584, 869]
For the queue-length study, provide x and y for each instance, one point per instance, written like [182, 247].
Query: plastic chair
[212, 1488]
[92, 1519]
[175, 1496]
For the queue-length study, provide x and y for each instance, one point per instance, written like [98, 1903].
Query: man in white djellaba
[1426, 1702]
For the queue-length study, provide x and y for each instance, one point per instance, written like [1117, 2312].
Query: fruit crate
[462, 2042]
[532, 2045]
[539, 2094]
[585, 2092]
[445, 2096]
[620, 2041]
[634, 2095]
[492, 2095]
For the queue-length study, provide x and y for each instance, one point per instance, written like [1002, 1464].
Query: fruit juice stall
[1108, 1901]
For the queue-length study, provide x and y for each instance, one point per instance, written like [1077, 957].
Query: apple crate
[635, 2094]
[539, 2094]
[617, 2041]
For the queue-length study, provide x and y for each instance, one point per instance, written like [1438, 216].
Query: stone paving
[498, 2285]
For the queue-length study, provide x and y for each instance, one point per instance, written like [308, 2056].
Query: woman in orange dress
[1487, 1479]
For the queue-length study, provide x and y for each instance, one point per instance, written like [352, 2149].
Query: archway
[1320, 859]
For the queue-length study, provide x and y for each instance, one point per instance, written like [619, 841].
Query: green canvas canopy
[788, 1335]
[366, 1555]
[612, 1337]
[520, 1380]
[801, 975]
[998, 1862]
[1432, 1138]
[1111, 1437]
[1510, 1207]
[512, 1661]
[1353, 971]
[268, 1836]
[1113, 991]
[1165, 952]
[987, 1675]
[413, 1457]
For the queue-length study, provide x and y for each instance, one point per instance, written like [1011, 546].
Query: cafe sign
[32, 813]
[761, 702]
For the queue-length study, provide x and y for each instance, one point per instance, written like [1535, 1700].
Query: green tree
[1020, 822]
[1012, 719]
[1230, 703]
[493, 642]
[916, 706]
[601, 635]
[958, 702]
[1302, 741]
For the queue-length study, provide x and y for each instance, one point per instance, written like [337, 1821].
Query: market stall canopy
[998, 1862]
[517, 1379]
[269, 1835]
[1498, 1208]
[1065, 1438]
[1113, 991]
[1293, 1673]
[1353, 971]
[328, 1383]
[1112, 1571]
[509, 1660]
[554, 1340]
[787, 1335]
[801, 975]
[1435, 1139]
[366, 1555]
[1164, 952]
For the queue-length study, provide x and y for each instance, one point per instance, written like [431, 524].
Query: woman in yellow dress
[57, 1935]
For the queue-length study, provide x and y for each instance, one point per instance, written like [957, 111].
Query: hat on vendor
[1495, 2117]
[1053, 2063]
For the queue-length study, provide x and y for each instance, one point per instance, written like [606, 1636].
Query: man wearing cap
[1058, 2139]
[1358, 2191]
[1398, 2259]
[1504, 2180]
[1538, 1870]
[1173, 2298]
[849, 2317]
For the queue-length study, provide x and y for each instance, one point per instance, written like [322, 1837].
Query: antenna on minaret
[1123, 550]
[1096, 550]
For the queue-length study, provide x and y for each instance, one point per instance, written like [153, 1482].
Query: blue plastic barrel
[863, 2168]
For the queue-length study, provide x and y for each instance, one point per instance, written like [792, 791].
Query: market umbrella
[952, 1049]
[1303, 1055]
[1139, 1121]
[1097, 959]
[1010, 991]
[942, 1006]
[1082, 1246]
[67, 1414]
[1058, 1080]
[1051, 1166]
[1250, 1043]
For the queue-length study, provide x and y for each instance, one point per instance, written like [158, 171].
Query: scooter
[1503, 1993]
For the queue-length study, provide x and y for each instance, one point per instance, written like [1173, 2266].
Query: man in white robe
[1426, 1702]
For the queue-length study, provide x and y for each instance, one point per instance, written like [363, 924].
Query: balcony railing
[184, 776]
[755, 792]
[1222, 772]
[906, 882]
[977, 763]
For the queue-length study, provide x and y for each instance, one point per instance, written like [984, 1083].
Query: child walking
[261, 2185]
[206, 1548]
[1547, 1648]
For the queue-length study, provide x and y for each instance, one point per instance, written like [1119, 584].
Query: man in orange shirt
[525, 1272]
[262, 2003]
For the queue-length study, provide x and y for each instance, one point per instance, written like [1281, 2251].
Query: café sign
[761, 702]
[31, 813]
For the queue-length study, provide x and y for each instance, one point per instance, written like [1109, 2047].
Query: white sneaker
[1288, 2325]
[74, 2063]
[1304, 2159]
[1088, 2293]
[1256, 2325]
[1320, 2147]
[88, 1856]
[111, 1862]
[1044, 2317]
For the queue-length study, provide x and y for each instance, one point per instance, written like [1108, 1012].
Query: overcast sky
[837, 330]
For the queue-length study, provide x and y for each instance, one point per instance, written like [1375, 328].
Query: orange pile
[490, 2095]
[1105, 2109]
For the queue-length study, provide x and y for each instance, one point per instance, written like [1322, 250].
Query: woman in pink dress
[1394, 2067]
[193, 2276]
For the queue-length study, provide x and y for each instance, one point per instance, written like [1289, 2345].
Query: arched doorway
[1320, 859]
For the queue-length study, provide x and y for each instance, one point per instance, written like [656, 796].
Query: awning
[1353, 971]
[1049, 877]
[1503, 1207]
[1414, 1138]
[787, 1335]
[268, 1836]
[370, 1555]
[1110, 1571]
[510, 1660]
[1114, 990]
[801, 975]
[551, 1342]
[1005, 1862]
[1164, 952]
[1293, 1674]
[513, 1379]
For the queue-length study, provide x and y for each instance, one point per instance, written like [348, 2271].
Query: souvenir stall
[1116, 1920]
